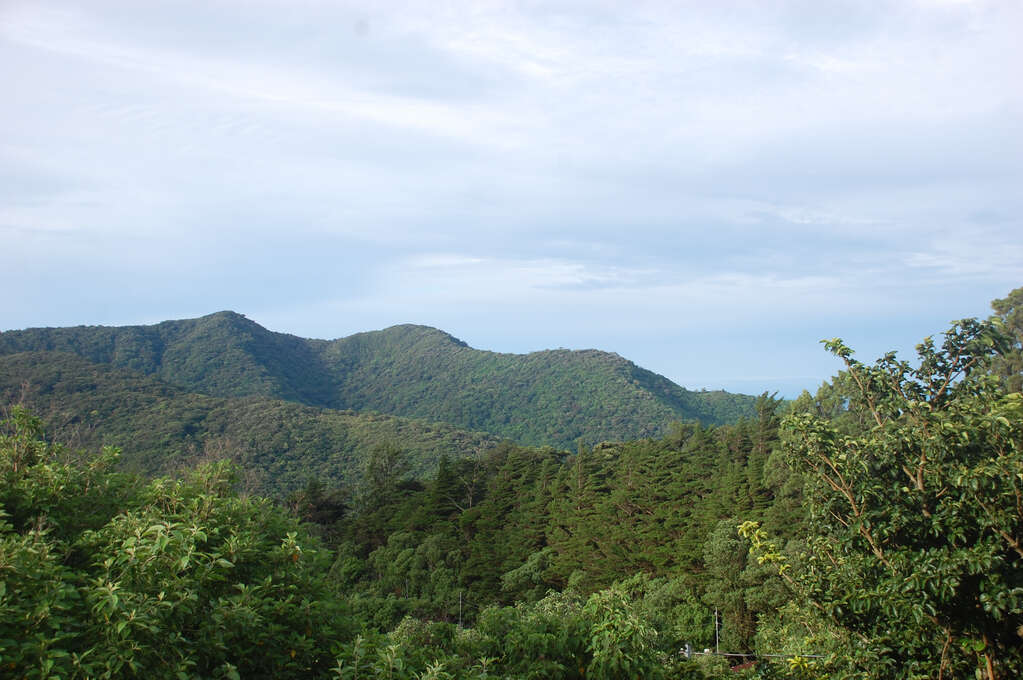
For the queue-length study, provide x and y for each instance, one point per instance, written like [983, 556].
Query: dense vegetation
[915, 499]
[872, 529]
[106, 575]
[554, 398]
[278, 445]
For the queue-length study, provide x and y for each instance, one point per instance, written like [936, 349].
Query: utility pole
[717, 633]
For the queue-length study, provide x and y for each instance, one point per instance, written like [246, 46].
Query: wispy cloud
[277, 89]
[982, 256]
[640, 176]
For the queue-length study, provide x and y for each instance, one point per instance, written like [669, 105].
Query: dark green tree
[319, 505]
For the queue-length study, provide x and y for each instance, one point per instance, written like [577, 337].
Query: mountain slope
[554, 397]
[278, 444]
[222, 354]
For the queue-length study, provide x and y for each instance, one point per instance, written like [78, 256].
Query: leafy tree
[104, 577]
[546, 639]
[621, 643]
[743, 590]
[1009, 311]
[916, 520]
[672, 608]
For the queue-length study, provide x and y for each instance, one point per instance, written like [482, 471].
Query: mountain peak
[413, 334]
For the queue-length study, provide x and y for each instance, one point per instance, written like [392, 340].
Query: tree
[102, 576]
[319, 505]
[1009, 312]
[916, 521]
[381, 491]
[725, 557]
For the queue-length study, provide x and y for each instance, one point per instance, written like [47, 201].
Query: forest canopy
[873, 528]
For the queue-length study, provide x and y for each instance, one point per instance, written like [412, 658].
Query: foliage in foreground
[105, 577]
[915, 531]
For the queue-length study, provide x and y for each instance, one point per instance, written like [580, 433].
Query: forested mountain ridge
[222, 354]
[552, 397]
[278, 444]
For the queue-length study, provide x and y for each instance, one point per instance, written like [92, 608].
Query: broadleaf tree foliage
[1009, 364]
[916, 521]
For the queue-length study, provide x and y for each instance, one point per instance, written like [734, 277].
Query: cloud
[264, 84]
[642, 175]
[978, 257]
[577, 288]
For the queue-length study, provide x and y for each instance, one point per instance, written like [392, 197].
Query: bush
[103, 576]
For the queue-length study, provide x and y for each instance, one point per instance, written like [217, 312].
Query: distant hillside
[161, 428]
[223, 354]
[555, 397]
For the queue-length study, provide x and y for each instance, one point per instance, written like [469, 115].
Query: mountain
[279, 445]
[553, 397]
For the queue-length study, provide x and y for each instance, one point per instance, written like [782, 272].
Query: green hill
[223, 354]
[555, 397]
[278, 444]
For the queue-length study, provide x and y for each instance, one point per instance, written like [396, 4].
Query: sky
[706, 188]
